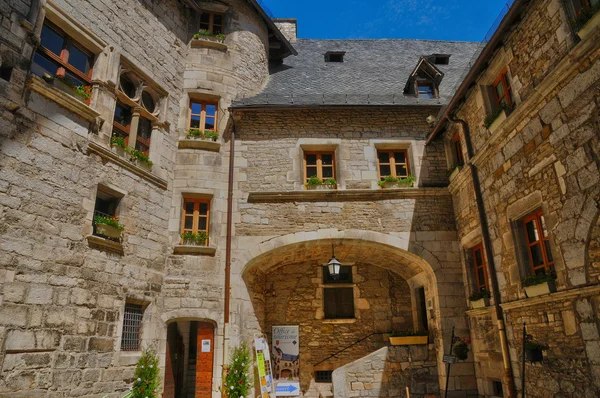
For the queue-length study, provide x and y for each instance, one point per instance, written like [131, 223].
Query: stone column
[133, 128]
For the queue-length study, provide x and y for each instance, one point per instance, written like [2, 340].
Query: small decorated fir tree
[237, 381]
[146, 382]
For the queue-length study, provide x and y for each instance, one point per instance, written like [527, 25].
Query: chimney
[287, 26]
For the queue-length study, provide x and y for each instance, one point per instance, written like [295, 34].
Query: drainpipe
[228, 245]
[487, 244]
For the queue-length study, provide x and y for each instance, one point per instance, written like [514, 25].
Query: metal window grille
[323, 376]
[132, 327]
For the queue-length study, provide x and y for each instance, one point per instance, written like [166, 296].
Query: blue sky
[462, 20]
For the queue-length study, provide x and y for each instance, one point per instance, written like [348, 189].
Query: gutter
[490, 263]
[480, 64]
[266, 107]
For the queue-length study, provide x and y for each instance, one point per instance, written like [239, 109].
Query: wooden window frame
[122, 130]
[502, 79]
[196, 216]
[434, 91]
[319, 164]
[63, 58]
[393, 163]
[211, 23]
[336, 288]
[457, 150]
[143, 141]
[536, 217]
[202, 114]
[478, 269]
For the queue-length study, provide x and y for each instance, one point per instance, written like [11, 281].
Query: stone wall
[544, 156]
[387, 372]
[294, 295]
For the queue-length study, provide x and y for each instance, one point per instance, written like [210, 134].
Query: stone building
[238, 159]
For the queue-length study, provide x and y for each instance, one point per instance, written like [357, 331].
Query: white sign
[286, 360]
[205, 345]
[263, 362]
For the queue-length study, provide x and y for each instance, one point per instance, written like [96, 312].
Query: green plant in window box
[110, 221]
[315, 182]
[482, 294]
[196, 239]
[389, 181]
[117, 141]
[138, 156]
[491, 118]
[203, 134]
[461, 347]
[108, 227]
[538, 279]
[207, 34]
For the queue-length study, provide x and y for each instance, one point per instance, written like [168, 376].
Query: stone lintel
[548, 298]
[199, 144]
[194, 250]
[113, 157]
[98, 242]
[348, 195]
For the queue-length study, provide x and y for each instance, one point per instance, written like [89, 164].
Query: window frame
[319, 164]
[202, 114]
[63, 58]
[479, 268]
[457, 150]
[143, 141]
[393, 163]
[211, 22]
[429, 83]
[547, 265]
[195, 217]
[503, 79]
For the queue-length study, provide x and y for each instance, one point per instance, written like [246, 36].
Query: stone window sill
[105, 244]
[129, 358]
[344, 195]
[126, 164]
[195, 250]
[207, 43]
[207, 145]
[339, 321]
[65, 100]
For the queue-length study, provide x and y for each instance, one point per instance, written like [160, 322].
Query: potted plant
[208, 35]
[315, 182]
[194, 239]
[391, 181]
[461, 347]
[539, 284]
[201, 134]
[408, 337]
[139, 158]
[534, 349]
[117, 143]
[480, 299]
[108, 227]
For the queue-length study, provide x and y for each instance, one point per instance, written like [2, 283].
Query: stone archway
[414, 261]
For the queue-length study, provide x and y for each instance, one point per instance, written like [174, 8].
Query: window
[144, 133]
[106, 206]
[497, 388]
[323, 376]
[203, 116]
[334, 56]
[338, 300]
[425, 89]
[132, 327]
[502, 91]
[196, 216]
[122, 121]
[393, 163]
[481, 280]
[6, 72]
[319, 164]
[441, 59]
[422, 309]
[61, 58]
[457, 152]
[212, 22]
[537, 243]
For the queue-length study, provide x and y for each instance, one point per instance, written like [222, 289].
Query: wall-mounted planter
[108, 231]
[388, 185]
[118, 150]
[208, 43]
[540, 289]
[501, 118]
[590, 26]
[208, 145]
[316, 187]
[409, 340]
[481, 303]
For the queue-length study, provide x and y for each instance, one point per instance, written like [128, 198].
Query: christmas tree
[146, 380]
[237, 381]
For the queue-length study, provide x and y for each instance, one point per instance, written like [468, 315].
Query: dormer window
[425, 89]
[425, 79]
[441, 59]
[334, 56]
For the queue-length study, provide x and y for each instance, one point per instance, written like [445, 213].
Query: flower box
[118, 150]
[590, 26]
[387, 185]
[108, 231]
[481, 303]
[193, 242]
[317, 187]
[409, 340]
[498, 121]
[454, 173]
[540, 289]
[533, 355]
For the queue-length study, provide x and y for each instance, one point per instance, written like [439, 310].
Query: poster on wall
[263, 363]
[286, 360]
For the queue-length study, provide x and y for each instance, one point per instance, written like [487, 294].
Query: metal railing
[350, 346]
[132, 327]
[499, 19]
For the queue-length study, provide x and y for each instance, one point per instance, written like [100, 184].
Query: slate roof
[373, 72]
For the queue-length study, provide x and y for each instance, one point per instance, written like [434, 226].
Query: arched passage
[381, 262]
